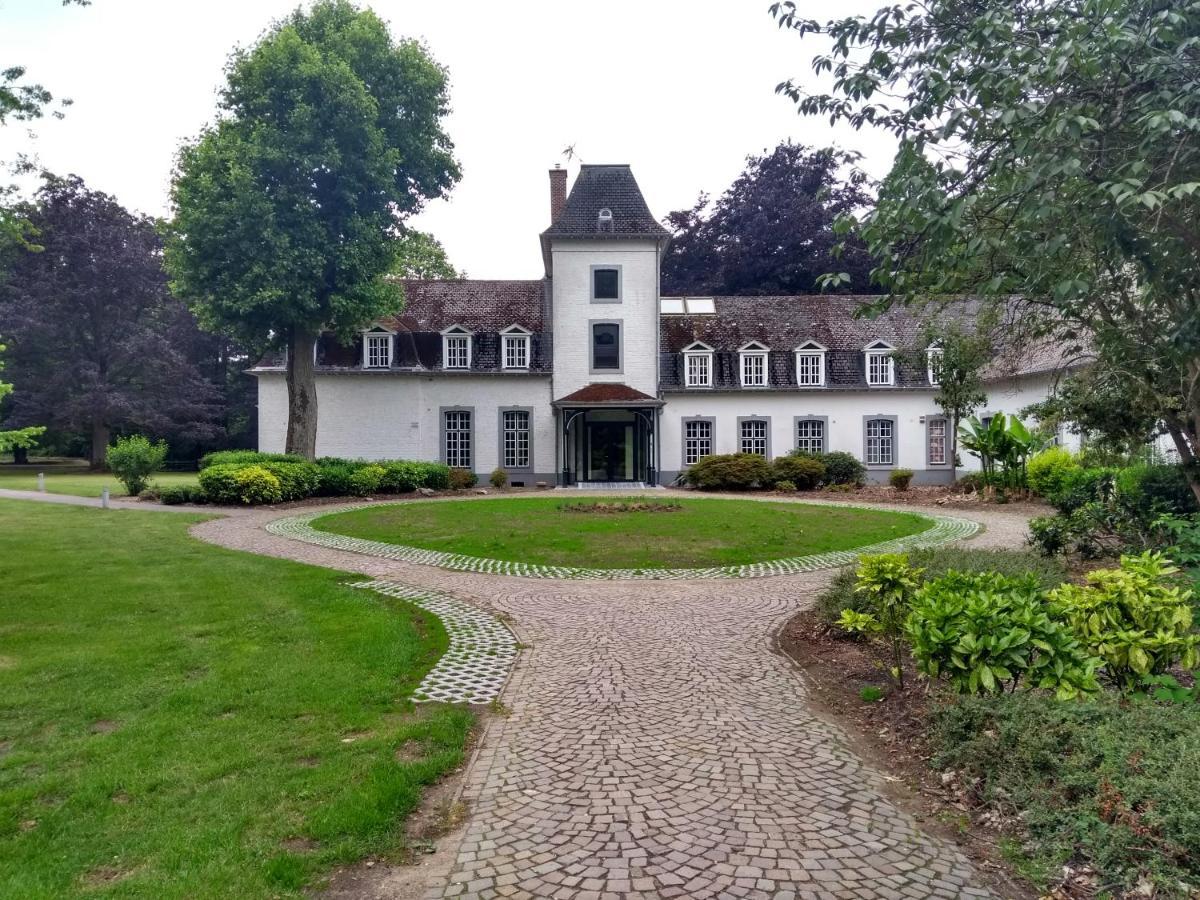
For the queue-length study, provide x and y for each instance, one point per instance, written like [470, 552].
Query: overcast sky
[681, 91]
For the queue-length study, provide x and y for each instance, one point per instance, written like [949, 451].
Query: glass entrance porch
[609, 445]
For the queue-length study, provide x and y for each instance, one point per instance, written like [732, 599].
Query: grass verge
[77, 479]
[701, 533]
[178, 720]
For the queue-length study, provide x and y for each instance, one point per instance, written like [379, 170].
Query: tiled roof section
[476, 305]
[611, 187]
[606, 393]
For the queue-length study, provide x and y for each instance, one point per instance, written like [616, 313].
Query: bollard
[104, 498]
[42, 482]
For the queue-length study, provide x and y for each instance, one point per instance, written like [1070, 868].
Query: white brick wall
[574, 310]
[397, 416]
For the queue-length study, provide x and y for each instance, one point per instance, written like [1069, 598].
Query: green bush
[786, 487]
[935, 562]
[499, 479]
[1104, 783]
[1047, 472]
[245, 458]
[218, 483]
[988, 633]
[435, 476]
[255, 486]
[1149, 491]
[887, 583]
[730, 472]
[842, 468]
[462, 479]
[804, 472]
[333, 477]
[400, 477]
[900, 479]
[1082, 486]
[134, 459]
[366, 480]
[297, 480]
[174, 494]
[1134, 618]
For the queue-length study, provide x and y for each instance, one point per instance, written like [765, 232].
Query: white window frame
[516, 443]
[754, 438]
[811, 351]
[456, 333]
[702, 356]
[370, 337]
[888, 440]
[754, 365]
[882, 355]
[462, 455]
[805, 443]
[697, 440]
[944, 424]
[932, 369]
[517, 338]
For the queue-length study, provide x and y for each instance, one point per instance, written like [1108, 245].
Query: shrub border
[944, 530]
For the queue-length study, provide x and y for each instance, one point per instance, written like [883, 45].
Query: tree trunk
[953, 450]
[100, 438]
[20, 456]
[1191, 467]
[302, 394]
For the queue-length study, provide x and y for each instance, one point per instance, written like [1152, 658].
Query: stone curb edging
[481, 651]
[946, 529]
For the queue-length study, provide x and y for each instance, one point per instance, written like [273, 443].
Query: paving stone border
[945, 529]
[480, 656]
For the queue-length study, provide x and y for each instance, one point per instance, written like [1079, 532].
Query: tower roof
[610, 188]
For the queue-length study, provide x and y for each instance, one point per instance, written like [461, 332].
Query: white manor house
[590, 375]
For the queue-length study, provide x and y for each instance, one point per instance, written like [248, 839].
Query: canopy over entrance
[607, 433]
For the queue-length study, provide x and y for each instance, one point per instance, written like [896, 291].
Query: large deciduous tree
[15, 439]
[1048, 151]
[96, 341]
[288, 209]
[771, 231]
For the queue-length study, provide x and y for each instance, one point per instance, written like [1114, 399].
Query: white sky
[681, 91]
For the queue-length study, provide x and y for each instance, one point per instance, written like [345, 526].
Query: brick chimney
[558, 192]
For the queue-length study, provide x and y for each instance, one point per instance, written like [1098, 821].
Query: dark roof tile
[611, 187]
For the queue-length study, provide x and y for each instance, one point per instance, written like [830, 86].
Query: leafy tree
[772, 231]
[16, 439]
[962, 354]
[1048, 151]
[97, 343]
[287, 210]
[421, 255]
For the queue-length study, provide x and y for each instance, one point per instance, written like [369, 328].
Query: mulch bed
[891, 735]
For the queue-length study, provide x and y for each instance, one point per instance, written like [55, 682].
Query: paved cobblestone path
[657, 746]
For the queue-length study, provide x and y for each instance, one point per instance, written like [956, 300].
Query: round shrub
[1083, 486]
[785, 487]
[245, 458]
[804, 472]
[900, 479]
[297, 480]
[461, 479]
[134, 459]
[255, 486]
[730, 472]
[499, 479]
[843, 468]
[1047, 472]
[174, 494]
[1150, 490]
[435, 476]
[366, 480]
[400, 477]
[218, 483]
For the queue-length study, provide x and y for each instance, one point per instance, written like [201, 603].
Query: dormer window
[933, 366]
[377, 349]
[753, 366]
[456, 348]
[881, 365]
[810, 365]
[606, 284]
[514, 347]
[698, 365]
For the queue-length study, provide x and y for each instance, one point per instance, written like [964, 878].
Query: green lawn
[705, 532]
[178, 720]
[75, 478]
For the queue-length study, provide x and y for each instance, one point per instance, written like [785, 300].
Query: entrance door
[610, 448]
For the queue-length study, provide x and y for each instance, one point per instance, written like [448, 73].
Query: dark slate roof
[475, 304]
[610, 187]
[606, 393]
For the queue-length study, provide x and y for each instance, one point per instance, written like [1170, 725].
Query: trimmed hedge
[175, 494]
[230, 483]
[246, 458]
[297, 480]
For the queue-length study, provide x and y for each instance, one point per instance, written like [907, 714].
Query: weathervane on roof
[570, 153]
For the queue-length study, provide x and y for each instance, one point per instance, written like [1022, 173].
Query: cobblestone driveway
[658, 747]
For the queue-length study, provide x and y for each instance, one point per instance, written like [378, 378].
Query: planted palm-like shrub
[886, 582]
[1133, 618]
[985, 633]
[134, 459]
[730, 472]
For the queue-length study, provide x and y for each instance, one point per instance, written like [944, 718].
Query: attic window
[881, 366]
[753, 364]
[515, 341]
[604, 219]
[810, 365]
[456, 348]
[377, 350]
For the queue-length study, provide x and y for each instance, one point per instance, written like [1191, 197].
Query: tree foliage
[287, 210]
[15, 438]
[771, 232]
[421, 255]
[96, 341]
[1049, 151]
[961, 354]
